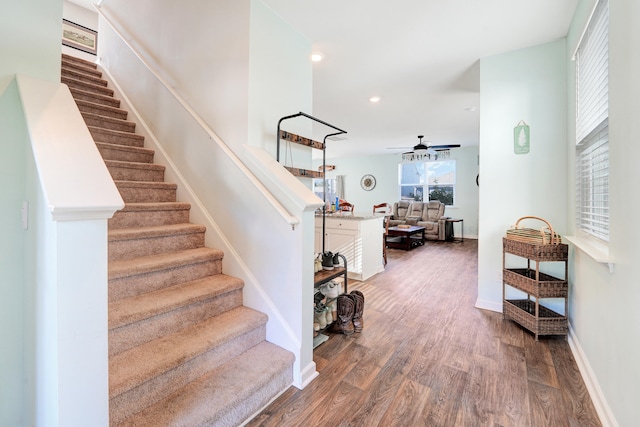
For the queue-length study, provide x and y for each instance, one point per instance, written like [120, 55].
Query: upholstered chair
[435, 222]
[399, 212]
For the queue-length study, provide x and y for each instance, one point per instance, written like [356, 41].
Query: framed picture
[79, 37]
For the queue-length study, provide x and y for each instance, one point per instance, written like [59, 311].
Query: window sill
[599, 252]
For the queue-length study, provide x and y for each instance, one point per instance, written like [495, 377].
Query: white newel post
[82, 313]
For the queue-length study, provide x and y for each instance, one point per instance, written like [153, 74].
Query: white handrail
[290, 219]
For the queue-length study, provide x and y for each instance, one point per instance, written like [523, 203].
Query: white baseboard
[591, 382]
[308, 374]
[489, 305]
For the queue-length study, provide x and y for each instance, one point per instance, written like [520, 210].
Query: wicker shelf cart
[537, 285]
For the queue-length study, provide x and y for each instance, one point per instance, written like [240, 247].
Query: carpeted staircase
[183, 350]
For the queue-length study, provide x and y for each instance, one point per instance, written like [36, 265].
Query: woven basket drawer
[523, 312]
[525, 280]
[557, 252]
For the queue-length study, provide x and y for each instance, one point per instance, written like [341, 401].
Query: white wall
[279, 83]
[530, 85]
[29, 44]
[602, 306]
[385, 170]
[30, 38]
[13, 145]
[81, 16]
[212, 38]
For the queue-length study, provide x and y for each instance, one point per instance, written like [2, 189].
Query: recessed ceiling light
[470, 109]
[374, 99]
[317, 57]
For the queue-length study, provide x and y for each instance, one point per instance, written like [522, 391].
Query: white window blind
[592, 129]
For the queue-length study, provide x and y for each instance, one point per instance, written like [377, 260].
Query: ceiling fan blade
[444, 147]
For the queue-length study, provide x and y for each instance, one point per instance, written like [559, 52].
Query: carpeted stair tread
[79, 94]
[151, 304]
[148, 264]
[146, 184]
[136, 366]
[83, 68]
[79, 61]
[86, 86]
[161, 206]
[135, 171]
[154, 231]
[125, 153]
[110, 136]
[80, 75]
[105, 122]
[148, 214]
[101, 109]
[134, 165]
[146, 191]
[225, 397]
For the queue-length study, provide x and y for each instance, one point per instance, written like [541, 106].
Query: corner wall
[530, 85]
[603, 310]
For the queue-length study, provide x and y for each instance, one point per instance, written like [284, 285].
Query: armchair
[435, 222]
[399, 213]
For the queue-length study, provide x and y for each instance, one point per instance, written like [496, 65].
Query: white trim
[591, 382]
[308, 374]
[489, 305]
[593, 248]
[75, 180]
[584, 30]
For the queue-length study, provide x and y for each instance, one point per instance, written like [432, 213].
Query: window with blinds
[592, 126]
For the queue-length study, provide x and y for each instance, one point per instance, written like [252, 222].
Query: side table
[461, 221]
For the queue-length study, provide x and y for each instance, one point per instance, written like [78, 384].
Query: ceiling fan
[423, 152]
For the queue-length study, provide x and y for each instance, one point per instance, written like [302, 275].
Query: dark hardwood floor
[428, 357]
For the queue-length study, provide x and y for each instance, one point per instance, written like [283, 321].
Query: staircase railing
[279, 207]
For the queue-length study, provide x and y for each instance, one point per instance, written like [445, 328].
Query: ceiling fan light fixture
[443, 154]
[423, 152]
[413, 156]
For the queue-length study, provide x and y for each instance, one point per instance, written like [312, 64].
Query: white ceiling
[420, 56]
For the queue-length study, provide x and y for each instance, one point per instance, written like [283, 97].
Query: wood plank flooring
[428, 357]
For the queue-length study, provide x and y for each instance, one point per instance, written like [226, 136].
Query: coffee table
[405, 241]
